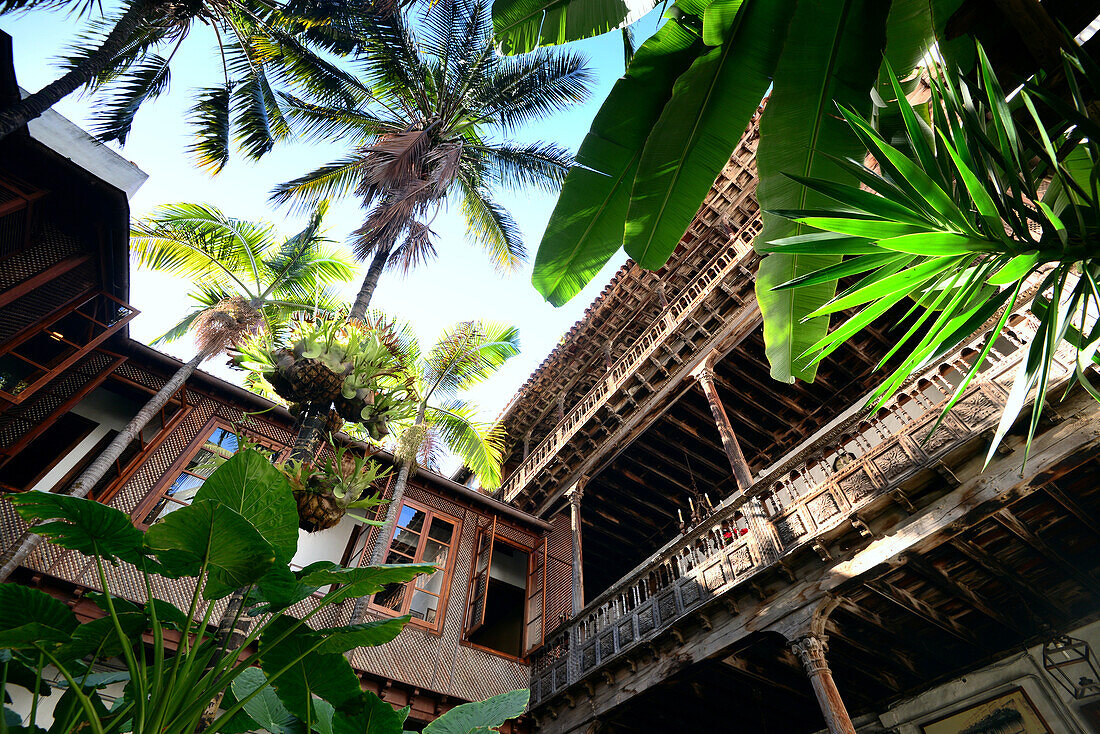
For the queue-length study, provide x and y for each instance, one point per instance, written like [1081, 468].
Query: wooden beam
[930, 573]
[997, 570]
[1020, 529]
[882, 654]
[1070, 505]
[39, 279]
[922, 609]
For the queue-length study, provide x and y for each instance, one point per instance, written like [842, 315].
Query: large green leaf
[367, 714]
[81, 524]
[281, 588]
[364, 581]
[524, 25]
[711, 104]
[586, 227]
[236, 554]
[100, 638]
[29, 616]
[832, 55]
[265, 709]
[368, 634]
[308, 672]
[251, 485]
[481, 715]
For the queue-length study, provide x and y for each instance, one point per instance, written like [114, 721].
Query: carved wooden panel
[714, 575]
[789, 528]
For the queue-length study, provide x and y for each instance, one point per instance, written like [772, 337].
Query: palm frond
[493, 227]
[114, 115]
[210, 119]
[467, 354]
[331, 181]
[480, 445]
[515, 167]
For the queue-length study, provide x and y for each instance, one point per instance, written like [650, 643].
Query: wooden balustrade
[665, 326]
[818, 486]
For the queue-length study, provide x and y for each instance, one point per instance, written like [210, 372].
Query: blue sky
[458, 285]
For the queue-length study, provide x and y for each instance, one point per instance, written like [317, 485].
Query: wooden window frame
[49, 373]
[181, 462]
[464, 639]
[448, 572]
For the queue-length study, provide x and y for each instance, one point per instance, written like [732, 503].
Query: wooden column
[561, 408]
[753, 510]
[811, 653]
[574, 494]
[526, 444]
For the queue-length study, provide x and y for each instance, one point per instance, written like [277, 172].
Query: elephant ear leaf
[481, 716]
[249, 484]
[29, 617]
[83, 525]
[211, 535]
[367, 714]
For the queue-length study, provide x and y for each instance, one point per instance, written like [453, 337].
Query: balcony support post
[753, 509]
[810, 651]
[574, 494]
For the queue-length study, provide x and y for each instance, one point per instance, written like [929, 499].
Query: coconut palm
[998, 203]
[126, 56]
[465, 355]
[246, 280]
[433, 111]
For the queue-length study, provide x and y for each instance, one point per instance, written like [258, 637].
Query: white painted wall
[327, 545]
[22, 700]
[1021, 670]
[112, 412]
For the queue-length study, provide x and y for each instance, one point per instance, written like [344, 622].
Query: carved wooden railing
[665, 325]
[819, 486]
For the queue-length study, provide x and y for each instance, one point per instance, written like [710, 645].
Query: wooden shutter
[536, 598]
[479, 582]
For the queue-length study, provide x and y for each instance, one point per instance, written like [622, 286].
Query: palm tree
[246, 280]
[465, 355]
[429, 126]
[127, 55]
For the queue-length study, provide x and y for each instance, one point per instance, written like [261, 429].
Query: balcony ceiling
[629, 507]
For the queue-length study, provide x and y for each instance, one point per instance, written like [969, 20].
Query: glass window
[421, 536]
[220, 443]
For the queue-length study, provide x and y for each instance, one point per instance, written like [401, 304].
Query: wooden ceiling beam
[1071, 506]
[621, 491]
[924, 568]
[923, 610]
[1008, 577]
[642, 444]
[885, 655]
[1020, 529]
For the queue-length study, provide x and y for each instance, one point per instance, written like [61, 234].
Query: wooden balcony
[718, 304]
[806, 501]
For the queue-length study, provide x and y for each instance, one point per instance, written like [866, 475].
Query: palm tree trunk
[378, 554]
[17, 115]
[18, 551]
[370, 282]
[311, 431]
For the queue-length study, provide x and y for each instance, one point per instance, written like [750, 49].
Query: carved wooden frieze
[740, 560]
[857, 486]
[646, 620]
[789, 528]
[607, 644]
[714, 575]
[626, 633]
[824, 508]
[690, 592]
[666, 607]
[588, 657]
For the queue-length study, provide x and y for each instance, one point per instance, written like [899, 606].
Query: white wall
[22, 700]
[1021, 670]
[327, 545]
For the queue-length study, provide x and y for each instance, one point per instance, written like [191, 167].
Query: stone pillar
[753, 509]
[810, 651]
[574, 495]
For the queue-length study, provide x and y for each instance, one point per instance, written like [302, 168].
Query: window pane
[391, 596]
[435, 553]
[203, 463]
[432, 582]
[424, 606]
[183, 490]
[441, 530]
[405, 542]
[392, 557]
[411, 518]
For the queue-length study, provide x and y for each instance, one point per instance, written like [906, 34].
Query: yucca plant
[989, 194]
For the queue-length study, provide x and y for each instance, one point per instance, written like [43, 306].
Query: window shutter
[479, 582]
[536, 598]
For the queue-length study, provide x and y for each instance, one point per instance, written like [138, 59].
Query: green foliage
[480, 716]
[669, 126]
[960, 224]
[237, 529]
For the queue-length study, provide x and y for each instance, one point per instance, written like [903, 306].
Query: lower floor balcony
[877, 530]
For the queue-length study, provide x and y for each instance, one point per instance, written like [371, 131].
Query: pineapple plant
[325, 492]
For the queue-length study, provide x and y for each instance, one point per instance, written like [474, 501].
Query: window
[70, 441]
[422, 535]
[220, 441]
[495, 616]
[33, 359]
